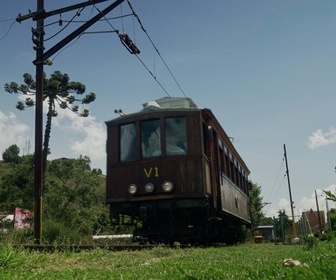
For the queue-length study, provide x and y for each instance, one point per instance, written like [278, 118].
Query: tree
[256, 204]
[74, 197]
[332, 218]
[58, 89]
[72, 194]
[11, 154]
[16, 187]
[282, 224]
[330, 196]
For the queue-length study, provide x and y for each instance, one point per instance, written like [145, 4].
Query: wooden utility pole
[38, 37]
[290, 194]
[41, 59]
[318, 213]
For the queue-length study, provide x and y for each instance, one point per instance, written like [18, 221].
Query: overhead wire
[8, 19]
[68, 46]
[280, 184]
[153, 75]
[81, 21]
[108, 18]
[122, 19]
[137, 56]
[276, 180]
[9, 29]
[77, 14]
[164, 62]
[115, 30]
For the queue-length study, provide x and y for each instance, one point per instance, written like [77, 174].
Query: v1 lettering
[148, 172]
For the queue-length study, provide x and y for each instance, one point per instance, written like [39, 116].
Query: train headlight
[132, 189]
[167, 186]
[149, 187]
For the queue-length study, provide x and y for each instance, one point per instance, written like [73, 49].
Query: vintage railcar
[173, 171]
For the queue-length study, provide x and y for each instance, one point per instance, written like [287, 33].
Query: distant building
[311, 222]
[267, 232]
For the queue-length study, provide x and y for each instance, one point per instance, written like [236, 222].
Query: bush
[324, 236]
[18, 236]
[310, 242]
[59, 233]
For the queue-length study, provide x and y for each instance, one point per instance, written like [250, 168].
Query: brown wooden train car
[176, 171]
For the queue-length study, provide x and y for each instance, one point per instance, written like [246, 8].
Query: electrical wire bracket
[128, 43]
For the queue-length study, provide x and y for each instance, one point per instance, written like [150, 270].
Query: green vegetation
[256, 204]
[248, 261]
[74, 205]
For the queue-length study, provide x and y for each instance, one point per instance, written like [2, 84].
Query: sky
[265, 68]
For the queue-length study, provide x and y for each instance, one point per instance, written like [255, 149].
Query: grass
[248, 261]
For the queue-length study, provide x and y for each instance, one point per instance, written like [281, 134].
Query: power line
[77, 14]
[8, 19]
[9, 29]
[108, 18]
[276, 180]
[68, 46]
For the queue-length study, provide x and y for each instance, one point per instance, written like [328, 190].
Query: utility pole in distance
[41, 59]
[290, 194]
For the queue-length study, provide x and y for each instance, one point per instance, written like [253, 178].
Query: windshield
[150, 138]
[127, 142]
[176, 136]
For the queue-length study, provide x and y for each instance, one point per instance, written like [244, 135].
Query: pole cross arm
[43, 14]
[76, 33]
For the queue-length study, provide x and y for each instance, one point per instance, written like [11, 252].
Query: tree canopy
[16, 186]
[11, 154]
[330, 196]
[256, 204]
[58, 92]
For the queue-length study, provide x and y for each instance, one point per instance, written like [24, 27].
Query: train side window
[176, 136]
[127, 142]
[150, 138]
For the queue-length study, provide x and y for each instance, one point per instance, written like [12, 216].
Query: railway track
[79, 248]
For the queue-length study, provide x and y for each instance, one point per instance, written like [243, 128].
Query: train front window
[127, 142]
[150, 138]
[176, 136]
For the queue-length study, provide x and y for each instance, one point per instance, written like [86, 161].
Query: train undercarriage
[169, 222]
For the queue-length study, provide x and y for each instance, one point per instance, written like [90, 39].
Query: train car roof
[173, 104]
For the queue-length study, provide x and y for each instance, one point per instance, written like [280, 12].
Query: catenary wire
[153, 75]
[137, 57]
[164, 62]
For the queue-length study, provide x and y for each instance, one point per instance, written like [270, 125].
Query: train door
[211, 162]
[207, 138]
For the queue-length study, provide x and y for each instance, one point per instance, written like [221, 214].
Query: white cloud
[12, 131]
[284, 203]
[93, 144]
[88, 136]
[318, 138]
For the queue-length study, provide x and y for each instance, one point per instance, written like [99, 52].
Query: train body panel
[186, 175]
[176, 171]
